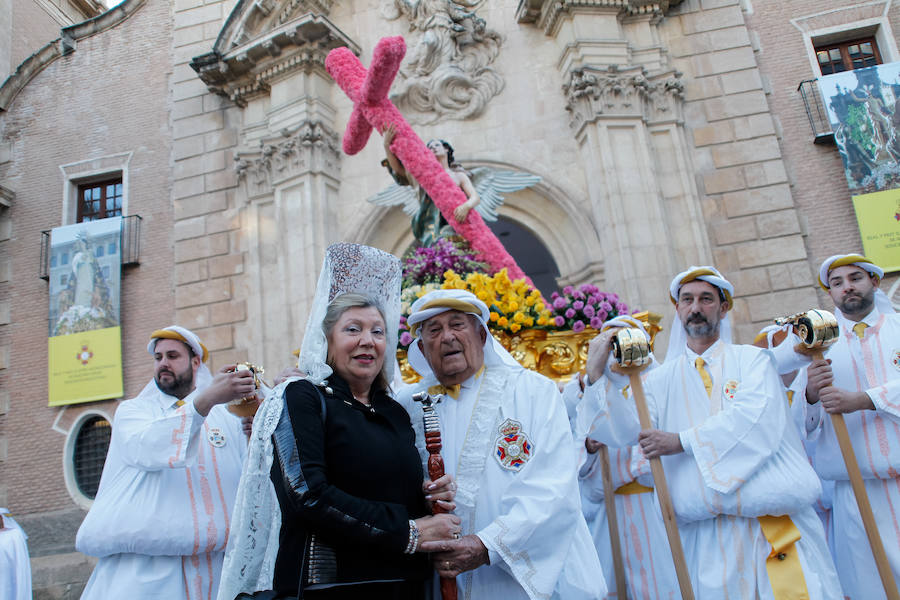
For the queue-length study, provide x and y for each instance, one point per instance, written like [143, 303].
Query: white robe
[871, 365]
[528, 518]
[15, 566]
[161, 518]
[647, 561]
[742, 460]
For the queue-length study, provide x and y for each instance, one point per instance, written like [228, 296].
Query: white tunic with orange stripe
[160, 521]
[649, 571]
[742, 460]
[872, 365]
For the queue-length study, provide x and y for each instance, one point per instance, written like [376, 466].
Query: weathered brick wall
[815, 172]
[110, 96]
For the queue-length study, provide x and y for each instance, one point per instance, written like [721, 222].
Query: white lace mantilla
[256, 521]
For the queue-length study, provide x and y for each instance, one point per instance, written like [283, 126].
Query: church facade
[666, 133]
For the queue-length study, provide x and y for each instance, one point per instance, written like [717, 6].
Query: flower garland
[586, 306]
[428, 264]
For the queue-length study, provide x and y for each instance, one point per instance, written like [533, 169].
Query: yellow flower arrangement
[513, 304]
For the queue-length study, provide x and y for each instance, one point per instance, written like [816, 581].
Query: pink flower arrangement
[586, 306]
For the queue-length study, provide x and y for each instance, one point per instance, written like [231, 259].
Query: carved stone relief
[311, 147]
[447, 73]
[631, 92]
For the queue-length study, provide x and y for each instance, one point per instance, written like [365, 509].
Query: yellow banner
[878, 216]
[86, 366]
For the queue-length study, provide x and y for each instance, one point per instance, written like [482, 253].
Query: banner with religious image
[863, 108]
[85, 345]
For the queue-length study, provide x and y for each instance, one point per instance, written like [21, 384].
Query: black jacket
[364, 479]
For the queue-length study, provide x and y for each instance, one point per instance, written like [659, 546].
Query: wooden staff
[818, 329]
[435, 470]
[609, 496]
[632, 350]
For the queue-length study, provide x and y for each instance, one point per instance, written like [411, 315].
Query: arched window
[529, 252]
[89, 454]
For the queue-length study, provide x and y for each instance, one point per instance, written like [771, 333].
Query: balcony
[129, 245]
[815, 112]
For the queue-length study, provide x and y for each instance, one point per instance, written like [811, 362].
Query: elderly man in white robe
[160, 521]
[740, 483]
[647, 563]
[859, 378]
[507, 442]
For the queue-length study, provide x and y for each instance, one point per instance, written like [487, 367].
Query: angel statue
[482, 186]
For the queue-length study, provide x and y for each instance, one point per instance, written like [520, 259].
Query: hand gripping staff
[435, 468]
[631, 349]
[818, 329]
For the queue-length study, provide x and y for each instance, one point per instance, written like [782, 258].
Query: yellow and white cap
[842, 260]
[708, 274]
[174, 332]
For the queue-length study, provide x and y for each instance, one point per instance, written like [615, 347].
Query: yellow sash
[783, 563]
[633, 487]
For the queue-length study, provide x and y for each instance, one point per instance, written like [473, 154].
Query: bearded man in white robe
[740, 483]
[859, 378]
[507, 442]
[160, 521]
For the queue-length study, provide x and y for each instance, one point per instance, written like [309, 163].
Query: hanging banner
[85, 345]
[878, 215]
[864, 110]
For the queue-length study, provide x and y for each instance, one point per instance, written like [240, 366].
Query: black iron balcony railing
[815, 111]
[129, 245]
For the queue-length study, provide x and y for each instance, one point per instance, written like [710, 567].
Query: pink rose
[559, 321]
[570, 313]
[405, 338]
[578, 326]
[559, 303]
[596, 323]
[589, 312]
[578, 305]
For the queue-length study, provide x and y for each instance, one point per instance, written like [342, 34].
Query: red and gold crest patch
[896, 359]
[730, 388]
[514, 449]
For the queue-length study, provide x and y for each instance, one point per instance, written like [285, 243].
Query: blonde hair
[337, 307]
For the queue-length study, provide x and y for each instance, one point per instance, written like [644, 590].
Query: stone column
[625, 107]
[287, 162]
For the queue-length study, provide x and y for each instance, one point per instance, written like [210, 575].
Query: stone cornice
[248, 69]
[546, 13]
[253, 18]
[65, 44]
[6, 197]
[311, 147]
[593, 94]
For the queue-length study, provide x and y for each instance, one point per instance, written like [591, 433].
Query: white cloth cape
[871, 365]
[742, 459]
[161, 518]
[14, 562]
[530, 520]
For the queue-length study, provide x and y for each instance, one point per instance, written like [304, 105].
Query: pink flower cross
[372, 109]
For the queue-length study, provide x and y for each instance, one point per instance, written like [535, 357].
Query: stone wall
[815, 172]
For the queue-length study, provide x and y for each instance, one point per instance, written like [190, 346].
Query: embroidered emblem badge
[216, 437]
[730, 388]
[514, 449]
[896, 359]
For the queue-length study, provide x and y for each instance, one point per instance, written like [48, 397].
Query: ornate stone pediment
[546, 13]
[241, 70]
[631, 92]
[252, 19]
[311, 147]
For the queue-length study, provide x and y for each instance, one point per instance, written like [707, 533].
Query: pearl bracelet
[413, 542]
